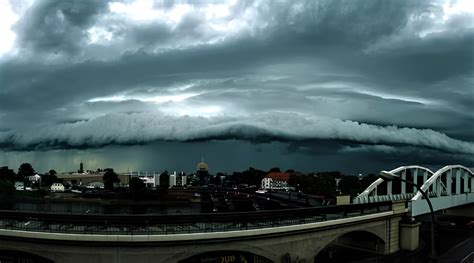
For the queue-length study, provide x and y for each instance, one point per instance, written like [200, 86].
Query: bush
[7, 195]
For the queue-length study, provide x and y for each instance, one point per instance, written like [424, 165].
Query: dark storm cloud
[57, 26]
[339, 70]
[401, 155]
[427, 60]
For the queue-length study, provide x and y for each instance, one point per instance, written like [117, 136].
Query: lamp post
[387, 176]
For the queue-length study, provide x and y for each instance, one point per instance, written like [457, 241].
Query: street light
[388, 176]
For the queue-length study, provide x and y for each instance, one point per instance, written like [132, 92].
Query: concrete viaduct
[290, 243]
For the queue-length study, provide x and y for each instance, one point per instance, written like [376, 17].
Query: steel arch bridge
[450, 186]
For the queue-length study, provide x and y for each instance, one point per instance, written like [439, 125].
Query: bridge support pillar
[409, 235]
[393, 228]
[393, 237]
[458, 181]
[449, 180]
[404, 185]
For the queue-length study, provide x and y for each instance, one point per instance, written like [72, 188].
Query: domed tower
[203, 172]
[202, 166]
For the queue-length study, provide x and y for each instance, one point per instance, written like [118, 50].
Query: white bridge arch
[450, 186]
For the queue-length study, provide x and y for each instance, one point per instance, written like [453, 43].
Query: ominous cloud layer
[392, 77]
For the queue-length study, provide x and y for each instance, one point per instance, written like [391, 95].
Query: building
[177, 179]
[155, 180]
[276, 180]
[57, 187]
[181, 179]
[202, 172]
[81, 168]
[150, 180]
[173, 179]
[202, 167]
[35, 178]
[89, 177]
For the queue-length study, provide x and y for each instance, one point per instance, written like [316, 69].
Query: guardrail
[157, 224]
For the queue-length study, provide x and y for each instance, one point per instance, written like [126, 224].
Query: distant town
[180, 190]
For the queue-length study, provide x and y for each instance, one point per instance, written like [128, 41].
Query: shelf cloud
[140, 128]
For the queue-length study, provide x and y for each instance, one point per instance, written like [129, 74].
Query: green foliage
[164, 180]
[368, 180]
[137, 187]
[110, 178]
[323, 184]
[216, 180]
[350, 185]
[250, 176]
[49, 178]
[275, 169]
[7, 194]
[7, 174]
[25, 170]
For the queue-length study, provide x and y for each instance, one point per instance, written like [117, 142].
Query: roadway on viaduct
[295, 242]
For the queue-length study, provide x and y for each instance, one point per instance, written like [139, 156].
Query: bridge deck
[179, 224]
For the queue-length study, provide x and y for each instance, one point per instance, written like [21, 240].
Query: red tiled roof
[278, 176]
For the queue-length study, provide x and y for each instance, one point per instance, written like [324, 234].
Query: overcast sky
[356, 86]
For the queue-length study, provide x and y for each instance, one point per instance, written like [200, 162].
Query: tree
[25, 170]
[236, 178]
[110, 178]
[216, 180]
[350, 185]
[7, 174]
[163, 189]
[7, 194]
[368, 180]
[164, 180]
[326, 182]
[136, 186]
[49, 178]
[252, 176]
[275, 169]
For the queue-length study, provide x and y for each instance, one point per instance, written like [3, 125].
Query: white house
[34, 178]
[276, 180]
[57, 187]
[267, 183]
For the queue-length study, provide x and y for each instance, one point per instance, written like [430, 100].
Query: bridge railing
[153, 224]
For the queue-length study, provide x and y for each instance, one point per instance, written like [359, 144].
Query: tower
[81, 168]
[203, 172]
